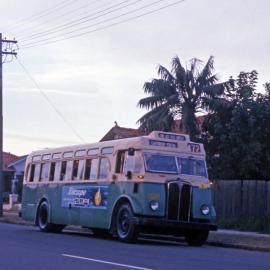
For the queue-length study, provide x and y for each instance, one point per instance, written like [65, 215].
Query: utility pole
[6, 50]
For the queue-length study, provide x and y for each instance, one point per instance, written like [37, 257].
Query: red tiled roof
[7, 159]
[117, 132]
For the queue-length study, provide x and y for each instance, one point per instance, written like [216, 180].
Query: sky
[97, 78]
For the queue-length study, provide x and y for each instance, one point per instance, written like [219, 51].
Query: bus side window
[37, 172]
[57, 172]
[81, 169]
[52, 171]
[91, 169]
[63, 170]
[75, 170]
[32, 171]
[44, 172]
[69, 170]
[120, 161]
[104, 168]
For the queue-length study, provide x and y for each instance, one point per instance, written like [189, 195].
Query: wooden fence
[238, 201]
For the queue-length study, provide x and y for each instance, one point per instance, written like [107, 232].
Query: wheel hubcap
[124, 222]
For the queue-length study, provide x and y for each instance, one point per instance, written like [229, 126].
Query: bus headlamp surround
[205, 209]
[154, 205]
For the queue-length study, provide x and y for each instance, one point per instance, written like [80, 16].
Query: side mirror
[129, 175]
[131, 151]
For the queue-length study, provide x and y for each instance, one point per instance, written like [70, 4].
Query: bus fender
[136, 207]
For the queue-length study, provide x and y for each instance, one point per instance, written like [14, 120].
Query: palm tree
[179, 93]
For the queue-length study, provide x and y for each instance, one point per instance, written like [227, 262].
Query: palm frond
[165, 74]
[179, 71]
[206, 71]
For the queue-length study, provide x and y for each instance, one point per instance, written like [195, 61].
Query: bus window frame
[46, 167]
[120, 158]
[57, 171]
[31, 172]
[75, 177]
[37, 172]
[51, 179]
[81, 169]
[99, 166]
[62, 176]
[97, 169]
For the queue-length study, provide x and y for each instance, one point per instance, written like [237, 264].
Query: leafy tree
[179, 93]
[236, 132]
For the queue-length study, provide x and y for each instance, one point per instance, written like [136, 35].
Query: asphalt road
[26, 248]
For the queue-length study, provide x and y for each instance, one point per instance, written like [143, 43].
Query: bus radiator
[178, 201]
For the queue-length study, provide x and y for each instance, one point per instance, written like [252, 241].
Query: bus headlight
[154, 205]
[205, 209]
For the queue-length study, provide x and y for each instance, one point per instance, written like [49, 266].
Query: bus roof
[157, 140]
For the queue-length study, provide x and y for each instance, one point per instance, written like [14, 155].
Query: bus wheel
[196, 237]
[125, 227]
[43, 219]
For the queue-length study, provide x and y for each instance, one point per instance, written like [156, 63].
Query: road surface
[26, 248]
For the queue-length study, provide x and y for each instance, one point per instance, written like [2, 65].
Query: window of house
[44, 172]
[52, 171]
[104, 168]
[91, 169]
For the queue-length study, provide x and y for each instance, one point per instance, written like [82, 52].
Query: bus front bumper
[151, 222]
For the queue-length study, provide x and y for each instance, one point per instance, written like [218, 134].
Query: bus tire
[196, 238]
[43, 219]
[126, 229]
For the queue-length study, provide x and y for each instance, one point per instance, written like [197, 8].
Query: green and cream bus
[149, 184]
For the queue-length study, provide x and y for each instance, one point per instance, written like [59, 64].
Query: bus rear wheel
[126, 229]
[43, 219]
[196, 237]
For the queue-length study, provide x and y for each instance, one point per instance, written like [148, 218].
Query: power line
[104, 27]
[51, 40]
[49, 101]
[27, 32]
[82, 20]
[42, 13]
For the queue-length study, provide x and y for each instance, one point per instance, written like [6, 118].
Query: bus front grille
[179, 201]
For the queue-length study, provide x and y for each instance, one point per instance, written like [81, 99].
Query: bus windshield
[174, 164]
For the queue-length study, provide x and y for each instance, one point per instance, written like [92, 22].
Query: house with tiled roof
[13, 170]
[7, 173]
[118, 132]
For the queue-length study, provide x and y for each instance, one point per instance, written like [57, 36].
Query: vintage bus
[149, 184]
